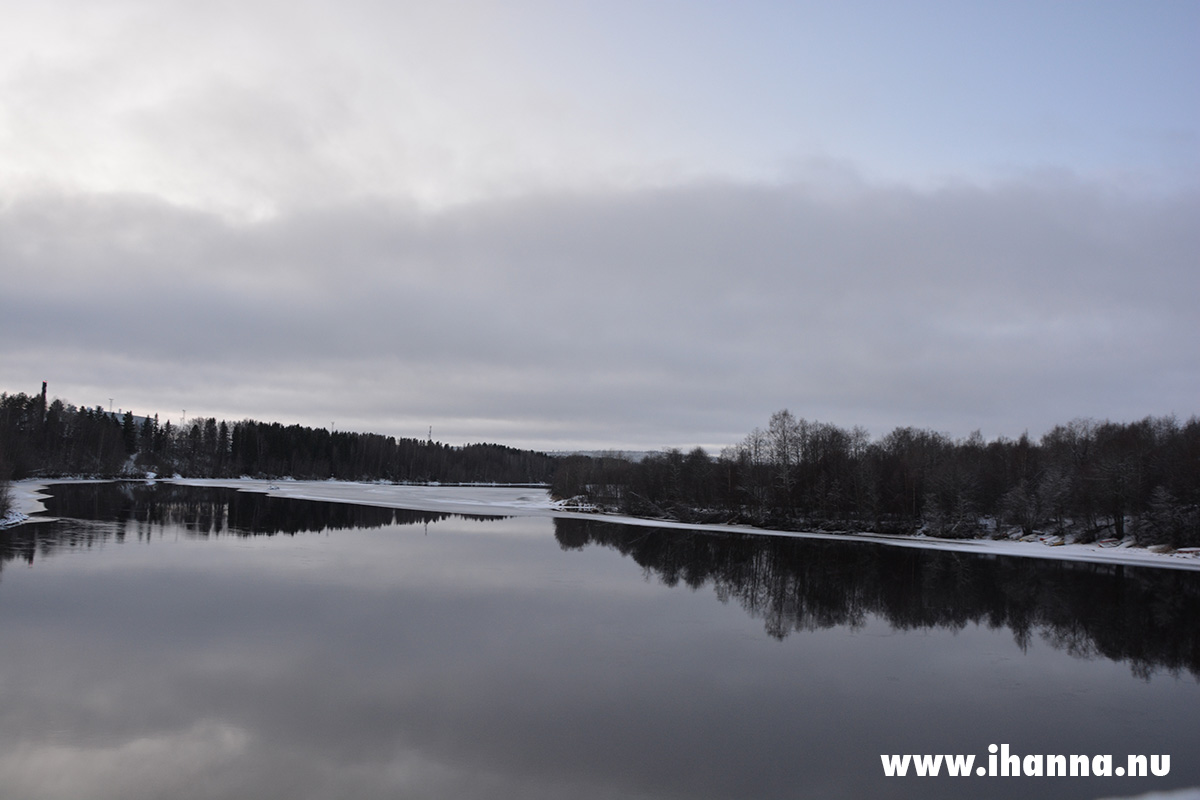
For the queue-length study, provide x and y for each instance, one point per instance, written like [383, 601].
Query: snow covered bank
[527, 501]
[475, 499]
[13, 518]
[26, 500]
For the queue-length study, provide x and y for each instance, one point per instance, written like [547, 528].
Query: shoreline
[499, 500]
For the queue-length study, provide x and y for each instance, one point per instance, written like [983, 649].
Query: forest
[1093, 480]
[53, 439]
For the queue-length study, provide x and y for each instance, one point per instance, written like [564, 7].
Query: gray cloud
[633, 319]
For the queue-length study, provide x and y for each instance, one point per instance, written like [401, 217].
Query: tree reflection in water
[1142, 616]
[113, 511]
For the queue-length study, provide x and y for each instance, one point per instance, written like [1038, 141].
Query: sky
[603, 225]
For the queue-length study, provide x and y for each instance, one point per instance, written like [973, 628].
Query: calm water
[163, 642]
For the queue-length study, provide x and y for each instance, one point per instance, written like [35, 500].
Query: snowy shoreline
[530, 501]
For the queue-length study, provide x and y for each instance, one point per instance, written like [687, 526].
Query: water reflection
[483, 661]
[204, 510]
[1137, 615]
[112, 511]
[1140, 616]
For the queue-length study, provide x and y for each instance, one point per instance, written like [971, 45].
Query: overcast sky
[586, 223]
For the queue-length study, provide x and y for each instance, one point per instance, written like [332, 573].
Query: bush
[5, 492]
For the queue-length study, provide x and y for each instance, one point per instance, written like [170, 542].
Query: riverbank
[499, 500]
[26, 498]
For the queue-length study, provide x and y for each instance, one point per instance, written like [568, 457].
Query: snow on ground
[26, 500]
[527, 501]
[476, 499]
[13, 518]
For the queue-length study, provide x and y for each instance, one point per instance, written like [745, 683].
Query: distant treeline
[1095, 479]
[48, 439]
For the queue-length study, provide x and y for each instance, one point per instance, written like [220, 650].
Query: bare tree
[784, 441]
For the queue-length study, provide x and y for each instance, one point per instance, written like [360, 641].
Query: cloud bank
[601, 224]
[642, 318]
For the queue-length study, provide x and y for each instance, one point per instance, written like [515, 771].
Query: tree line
[51, 439]
[1093, 479]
